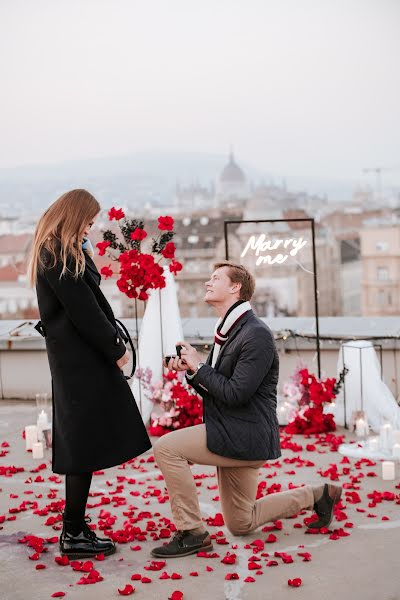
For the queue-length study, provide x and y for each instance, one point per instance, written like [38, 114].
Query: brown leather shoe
[182, 544]
[324, 507]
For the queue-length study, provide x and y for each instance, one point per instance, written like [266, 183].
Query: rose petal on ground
[127, 591]
[296, 582]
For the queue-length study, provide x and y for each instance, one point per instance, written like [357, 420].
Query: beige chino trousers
[237, 481]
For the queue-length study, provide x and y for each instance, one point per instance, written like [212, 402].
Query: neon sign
[262, 244]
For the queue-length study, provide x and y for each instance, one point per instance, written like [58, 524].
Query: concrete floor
[362, 566]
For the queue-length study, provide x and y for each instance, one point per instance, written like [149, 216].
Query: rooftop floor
[361, 566]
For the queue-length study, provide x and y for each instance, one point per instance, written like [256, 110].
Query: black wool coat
[239, 394]
[96, 423]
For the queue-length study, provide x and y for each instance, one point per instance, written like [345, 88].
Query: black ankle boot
[84, 544]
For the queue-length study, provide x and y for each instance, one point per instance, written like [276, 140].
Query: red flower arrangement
[315, 395]
[180, 405]
[138, 271]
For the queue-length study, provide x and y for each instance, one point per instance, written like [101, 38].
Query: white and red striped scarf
[224, 327]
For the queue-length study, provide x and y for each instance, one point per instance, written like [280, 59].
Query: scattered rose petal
[127, 591]
[295, 582]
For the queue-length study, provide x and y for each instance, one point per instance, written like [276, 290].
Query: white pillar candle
[37, 450]
[30, 436]
[361, 428]
[373, 444]
[396, 436]
[396, 451]
[388, 470]
[385, 436]
[42, 423]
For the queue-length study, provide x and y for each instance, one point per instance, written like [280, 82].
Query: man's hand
[176, 364]
[189, 356]
[121, 362]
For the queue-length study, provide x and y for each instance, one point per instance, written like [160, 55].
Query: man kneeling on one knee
[240, 432]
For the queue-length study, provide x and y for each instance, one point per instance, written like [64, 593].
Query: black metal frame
[360, 349]
[312, 222]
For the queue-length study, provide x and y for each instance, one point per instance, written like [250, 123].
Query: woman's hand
[121, 362]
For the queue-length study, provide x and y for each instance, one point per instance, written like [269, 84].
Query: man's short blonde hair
[239, 274]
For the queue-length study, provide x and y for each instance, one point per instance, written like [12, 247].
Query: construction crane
[378, 173]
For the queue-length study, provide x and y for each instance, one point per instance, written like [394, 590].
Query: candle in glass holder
[361, 427]
[388, 470]
[30, 436]
[282, 414]
[385, 436]
[373, 444]
[396, 451]
[37, 450]
[42, 423]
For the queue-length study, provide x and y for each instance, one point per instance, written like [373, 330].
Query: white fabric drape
[379, 403]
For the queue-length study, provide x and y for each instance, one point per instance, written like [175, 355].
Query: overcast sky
[299, 87]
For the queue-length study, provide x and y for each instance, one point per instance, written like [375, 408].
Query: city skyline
[306, 90]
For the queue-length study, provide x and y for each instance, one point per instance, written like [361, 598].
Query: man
[240, 430]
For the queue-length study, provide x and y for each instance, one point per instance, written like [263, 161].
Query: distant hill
[137, 178]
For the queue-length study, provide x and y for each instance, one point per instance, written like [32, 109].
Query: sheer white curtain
[364, 377]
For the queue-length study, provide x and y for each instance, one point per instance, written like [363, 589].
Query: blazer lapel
[232, 336]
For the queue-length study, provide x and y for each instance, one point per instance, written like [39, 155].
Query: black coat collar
[92, 269]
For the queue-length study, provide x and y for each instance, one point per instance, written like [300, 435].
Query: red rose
[143, 295]
[138, 234]
[106, 271]
[169, 250]
[165, 223]
[175, 267]
[102, 247]
[116, 213]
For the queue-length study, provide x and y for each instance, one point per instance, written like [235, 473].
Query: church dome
[232, 173]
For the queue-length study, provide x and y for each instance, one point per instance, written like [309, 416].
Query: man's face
[219, 288]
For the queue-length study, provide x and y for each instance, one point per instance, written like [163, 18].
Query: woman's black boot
[79, 541]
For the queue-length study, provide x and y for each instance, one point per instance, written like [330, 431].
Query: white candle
[388, 470]
[373, 444]
[396, 436]
[37, 450]
[396, 451]
[30, 436]
[361, 428]
[385, 436]
[42, 423]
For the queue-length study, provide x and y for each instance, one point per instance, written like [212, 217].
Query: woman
[96, 423]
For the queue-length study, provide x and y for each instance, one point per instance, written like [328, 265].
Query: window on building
[382, 274]
[381, 298]
[382, 246]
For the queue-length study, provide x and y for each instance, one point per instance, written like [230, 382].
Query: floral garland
[138, 271]
[313, 396]
[178, 405]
